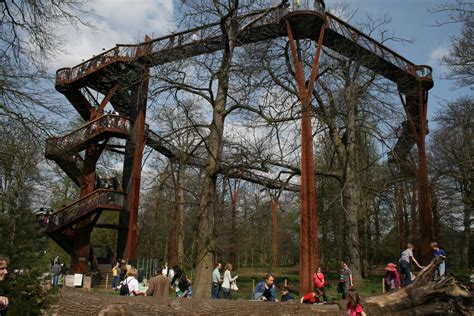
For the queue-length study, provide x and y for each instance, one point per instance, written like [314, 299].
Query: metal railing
[132, 52]
[99, 199]
[110, 122]
[307, 5]
[363, 40]
[424, 71]
[211, 32]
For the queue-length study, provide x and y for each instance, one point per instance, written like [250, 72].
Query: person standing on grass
[405, 263]
[320, 283]
[345, 279]
[228, 279]
[116, 271]
[159, 286]
[216, 281]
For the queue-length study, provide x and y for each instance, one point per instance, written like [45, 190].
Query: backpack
[124, 289]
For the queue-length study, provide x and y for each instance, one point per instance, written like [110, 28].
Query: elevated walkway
[120, 74]
[85, 207]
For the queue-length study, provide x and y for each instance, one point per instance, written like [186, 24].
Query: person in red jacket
[320, 283]
[311, 298]
[392, 278]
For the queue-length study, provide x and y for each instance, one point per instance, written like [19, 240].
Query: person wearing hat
[438, 252]
[392, 278]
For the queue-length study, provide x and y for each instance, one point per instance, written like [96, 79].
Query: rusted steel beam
[106, 100]
[417, 97]
[309, 247]
[137, 142]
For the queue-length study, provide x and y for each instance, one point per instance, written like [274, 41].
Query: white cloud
[116, 22]
[435, 59]
[437, 55]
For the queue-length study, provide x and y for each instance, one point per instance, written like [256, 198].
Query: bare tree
[29, 40]
[460, 60]
[453, 152]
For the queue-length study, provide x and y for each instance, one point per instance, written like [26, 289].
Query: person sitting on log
[265, 290]
[405, 263]
[392, 278]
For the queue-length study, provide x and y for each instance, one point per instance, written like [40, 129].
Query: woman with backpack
[129, 286]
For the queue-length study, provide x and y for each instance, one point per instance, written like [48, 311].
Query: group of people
[392, 277]
[224, 284]
[164, 280]
[266, 289]
[58, 273]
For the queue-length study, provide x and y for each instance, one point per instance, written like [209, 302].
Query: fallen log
[424, 296]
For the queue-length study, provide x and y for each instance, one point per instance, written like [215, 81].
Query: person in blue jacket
[265, 290]
[438, 252]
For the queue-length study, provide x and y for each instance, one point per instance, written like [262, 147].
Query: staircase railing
[97, 200]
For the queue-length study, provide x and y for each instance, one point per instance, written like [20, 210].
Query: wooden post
[253, 285]
[106, 280]
[383, 285]
[286, 281]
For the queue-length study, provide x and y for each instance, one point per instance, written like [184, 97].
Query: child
[392, 278]
[311, 298]
[354, 308]
[116, 271]
[285, 294]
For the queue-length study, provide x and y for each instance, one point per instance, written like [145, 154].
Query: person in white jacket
[228, 279]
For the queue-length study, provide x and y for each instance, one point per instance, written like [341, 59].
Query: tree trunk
[274, 233]
[352, 236]
[175, 244]
[205, 239]
[466, 233]
[414, 232]
[233, 228]
[399, 202]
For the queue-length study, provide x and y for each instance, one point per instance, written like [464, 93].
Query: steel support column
[133, 166]
[309, 247]
[418, 96]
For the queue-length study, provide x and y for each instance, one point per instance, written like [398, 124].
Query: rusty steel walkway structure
[121, 75]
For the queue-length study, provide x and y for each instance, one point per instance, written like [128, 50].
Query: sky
[127, 21]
